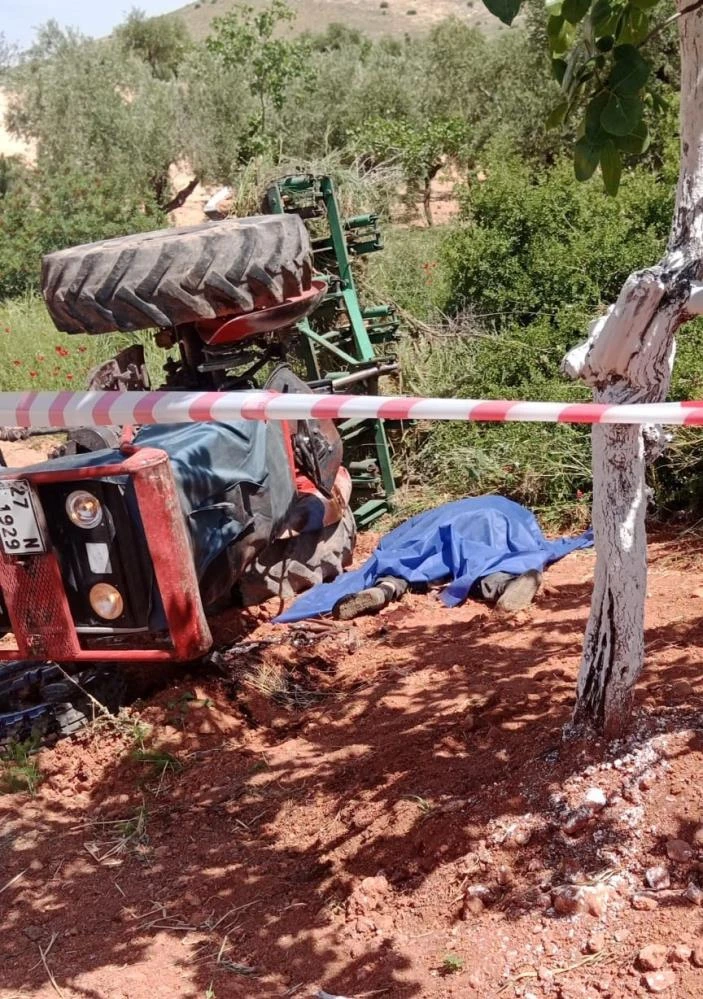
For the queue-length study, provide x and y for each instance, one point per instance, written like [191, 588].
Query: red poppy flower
[32, 374]
[61, 351]
[17, 363]
[70, 377]
[82, 350]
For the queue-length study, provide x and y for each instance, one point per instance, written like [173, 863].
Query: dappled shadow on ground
[322, 811]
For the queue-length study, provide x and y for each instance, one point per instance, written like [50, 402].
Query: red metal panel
[36, 602]
[261, 321]
[34, 591]
[169, 547]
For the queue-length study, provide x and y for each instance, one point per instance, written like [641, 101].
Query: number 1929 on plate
[20, 533]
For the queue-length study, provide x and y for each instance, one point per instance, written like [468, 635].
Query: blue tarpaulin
[461, 541]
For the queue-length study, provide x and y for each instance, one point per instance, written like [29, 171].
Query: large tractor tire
[288, 567]
[174, 276]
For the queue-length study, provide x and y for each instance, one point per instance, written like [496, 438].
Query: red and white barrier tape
[76, 409]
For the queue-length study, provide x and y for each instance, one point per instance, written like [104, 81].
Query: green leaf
[553, 7]
[605, 43]
[637, 142]
[602, 17]
[575, 10]
[558, 69]
[586, 158]
[610, 167]
[635, 27]
[557, 115]
[630, 72]
[592, 127]
[621, 114]
[559, 34]
[504, 10]
[644, 4]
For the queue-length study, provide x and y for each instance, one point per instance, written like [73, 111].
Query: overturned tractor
[118, 549]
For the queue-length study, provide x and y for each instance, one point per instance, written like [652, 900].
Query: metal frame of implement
[339, 339]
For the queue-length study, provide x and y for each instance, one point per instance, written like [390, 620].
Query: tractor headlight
[106, 601]
[84, 509]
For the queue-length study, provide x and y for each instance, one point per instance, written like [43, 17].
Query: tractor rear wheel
[288, 567]
[175, 276]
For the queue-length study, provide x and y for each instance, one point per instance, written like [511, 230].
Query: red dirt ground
[380, 808]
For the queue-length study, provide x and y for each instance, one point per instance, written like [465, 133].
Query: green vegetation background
[492, 301]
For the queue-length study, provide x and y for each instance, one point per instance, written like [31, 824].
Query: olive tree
[600, 60]
[93, 109]
[248, 38]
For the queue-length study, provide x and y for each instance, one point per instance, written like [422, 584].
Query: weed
[18, 770]
[160, 760]
[134, 830]
[423, 804]
[451, 964]
[209, 991]
[36, 356]
[127, 834]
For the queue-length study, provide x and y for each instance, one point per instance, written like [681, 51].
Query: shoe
[519, 593]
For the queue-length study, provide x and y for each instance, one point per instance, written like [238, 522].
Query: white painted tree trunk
[628, 358]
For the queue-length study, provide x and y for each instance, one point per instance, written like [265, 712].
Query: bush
[45, 211]
[534, 257]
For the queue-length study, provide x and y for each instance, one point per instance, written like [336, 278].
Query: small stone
[693, 893]
[545, 975]
[473, 906]
[505, 875]
[595, 943]
[660, 981]
[596, 900]
[680, 954]
[577, 821]
[595, 798]
[566, 901]
[698, 837]
[33, 932]
[645, 903]
[621, 935]
[657, 878]
[679, 851]
[697, 956]
[652, 957]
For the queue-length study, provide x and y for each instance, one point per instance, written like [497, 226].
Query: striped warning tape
[76, 409]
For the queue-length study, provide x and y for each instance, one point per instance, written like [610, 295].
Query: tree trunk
[628, 358]
[427, 191]
[427, 200]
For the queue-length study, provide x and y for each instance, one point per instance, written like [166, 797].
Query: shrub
[47, 211]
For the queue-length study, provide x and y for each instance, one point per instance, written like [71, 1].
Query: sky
[92, 17]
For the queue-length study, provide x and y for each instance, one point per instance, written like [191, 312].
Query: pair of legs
[509, 593]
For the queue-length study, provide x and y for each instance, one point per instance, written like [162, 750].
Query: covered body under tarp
[460, 542]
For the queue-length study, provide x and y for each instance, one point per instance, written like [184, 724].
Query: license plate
[20, 533]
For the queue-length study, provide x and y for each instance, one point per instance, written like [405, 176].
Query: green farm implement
[343, 344]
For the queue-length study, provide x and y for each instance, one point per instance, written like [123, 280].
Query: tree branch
[180, 199]
[658, 28]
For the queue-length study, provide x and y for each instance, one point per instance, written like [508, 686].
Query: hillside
[374, 17]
